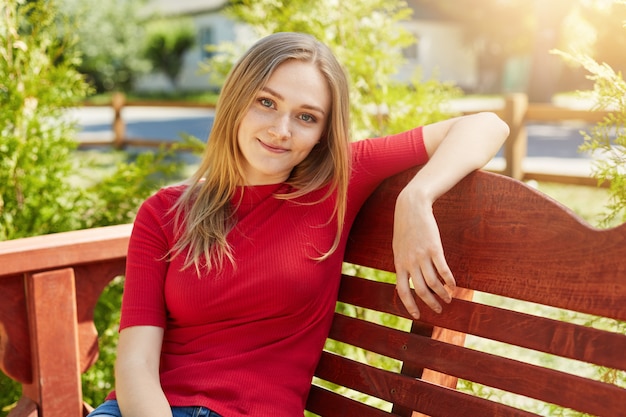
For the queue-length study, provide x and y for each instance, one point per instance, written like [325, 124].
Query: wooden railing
[516, 111]
[49, 287]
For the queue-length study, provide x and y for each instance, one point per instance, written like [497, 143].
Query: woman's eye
[308, 118]
[266, 102]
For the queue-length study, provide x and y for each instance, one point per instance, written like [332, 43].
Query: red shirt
[245, 341]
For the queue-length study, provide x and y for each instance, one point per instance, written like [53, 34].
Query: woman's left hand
[455, 147]
[418, 254]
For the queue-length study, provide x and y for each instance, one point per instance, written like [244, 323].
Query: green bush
[38, 82]
[110, 40]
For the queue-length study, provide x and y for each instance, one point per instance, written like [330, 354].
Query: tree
[110, 39]
[166, 45]
[368, 38]
[39, 81]
[607, 19]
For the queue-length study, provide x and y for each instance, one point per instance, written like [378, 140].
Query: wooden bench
[500, 237]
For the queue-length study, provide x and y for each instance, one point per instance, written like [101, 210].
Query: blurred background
[103, 102]
[483, 46]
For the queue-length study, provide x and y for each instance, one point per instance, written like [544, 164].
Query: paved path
[552, 148]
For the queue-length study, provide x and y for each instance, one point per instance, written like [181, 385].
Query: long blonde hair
[204, 212]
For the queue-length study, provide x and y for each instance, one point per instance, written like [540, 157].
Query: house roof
[183, 7]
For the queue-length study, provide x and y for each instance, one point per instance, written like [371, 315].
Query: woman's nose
[281, 128]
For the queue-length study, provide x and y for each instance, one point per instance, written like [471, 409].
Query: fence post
[515, 147]
[119, 128]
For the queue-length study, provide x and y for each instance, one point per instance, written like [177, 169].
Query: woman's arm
[137, 383]
[456, 147]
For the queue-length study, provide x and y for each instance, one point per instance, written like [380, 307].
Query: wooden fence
[516, 112]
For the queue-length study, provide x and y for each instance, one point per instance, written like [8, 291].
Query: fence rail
[516, 111]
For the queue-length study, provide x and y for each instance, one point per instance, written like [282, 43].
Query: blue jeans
[111, 409]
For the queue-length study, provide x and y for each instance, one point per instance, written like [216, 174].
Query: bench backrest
[506, 244]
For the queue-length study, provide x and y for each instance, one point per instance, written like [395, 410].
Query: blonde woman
[232, 278]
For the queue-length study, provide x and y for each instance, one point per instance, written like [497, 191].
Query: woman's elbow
[497, 130]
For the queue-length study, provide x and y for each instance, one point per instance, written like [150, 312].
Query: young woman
[232, 278]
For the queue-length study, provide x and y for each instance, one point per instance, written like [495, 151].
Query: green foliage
[607, 139]
[114, 198]
[110, 37]
[368, 39]
[38, 82]
[166, 44]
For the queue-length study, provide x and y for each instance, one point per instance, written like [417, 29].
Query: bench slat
[408, 392]
[532, 332]
[329, 404]
[510, 375]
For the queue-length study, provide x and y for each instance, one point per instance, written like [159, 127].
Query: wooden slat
[329, 404]
[520, 329]
[505, 238]
[63, 249]
[586, 395]
[406, 391]
[15, 355]
[549, 113]
[15, 342]
[56, 385]
[25, 407]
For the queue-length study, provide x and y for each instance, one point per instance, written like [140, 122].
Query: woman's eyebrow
[306, 106]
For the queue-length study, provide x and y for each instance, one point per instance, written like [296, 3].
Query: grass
[587, 202]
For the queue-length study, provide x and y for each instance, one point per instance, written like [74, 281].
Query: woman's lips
[273, 149]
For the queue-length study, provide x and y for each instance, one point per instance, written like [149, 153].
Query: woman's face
[284, 122]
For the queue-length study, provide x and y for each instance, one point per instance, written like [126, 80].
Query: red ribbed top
[245, 341]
